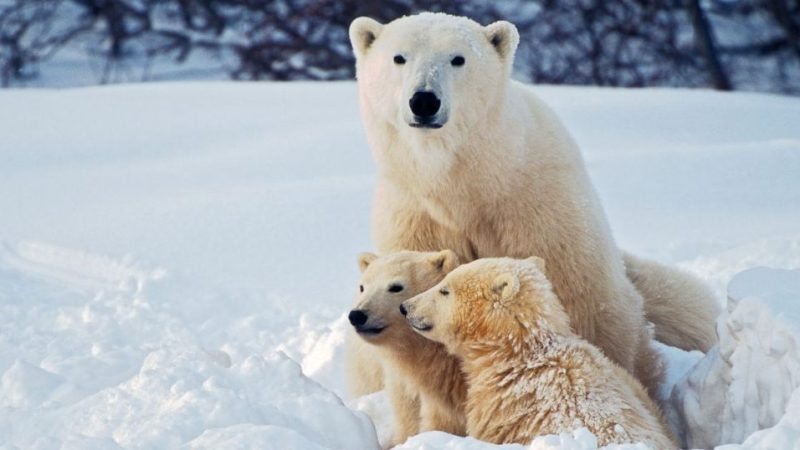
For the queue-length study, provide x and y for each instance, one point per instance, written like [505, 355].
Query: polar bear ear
[538, 262]
[505, 286]
[504, 37]
[365, 259]
[445, 261]
[363, 32]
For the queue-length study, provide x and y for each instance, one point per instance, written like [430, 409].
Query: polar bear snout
[416, 321]
[424, 104]
[359, 319]
[426, 108]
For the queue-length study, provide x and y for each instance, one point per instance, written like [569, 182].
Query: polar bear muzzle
[359, 319]
[425, 105]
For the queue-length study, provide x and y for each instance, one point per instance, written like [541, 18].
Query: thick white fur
[501, 177]
[425, 384]
[680, 304]
[528, 374]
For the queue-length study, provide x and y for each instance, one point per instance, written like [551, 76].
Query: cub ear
[504, 37]
[505, 286]
[538, 262]
[363, 32]
[445, 261]
[365, 259]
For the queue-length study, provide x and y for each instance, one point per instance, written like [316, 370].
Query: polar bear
[472, 161]
[528, 374]
[425, 384]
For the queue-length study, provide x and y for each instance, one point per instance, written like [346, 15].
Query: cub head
[387, 281]
[486, 300]
[432, 74]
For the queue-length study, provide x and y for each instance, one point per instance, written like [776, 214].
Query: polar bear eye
[394, 288]
[444, 291]
[360, 288]
[458, 61]
[399, 60]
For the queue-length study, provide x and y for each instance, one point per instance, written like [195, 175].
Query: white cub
[527, 373]
[425, 383]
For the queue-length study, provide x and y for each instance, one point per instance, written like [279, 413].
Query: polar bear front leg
[437, 417]
[363, 366]
[406, 408]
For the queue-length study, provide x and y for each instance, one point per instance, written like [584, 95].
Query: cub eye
[444, 291]
[394, 288]
[399, 60]
[458, 61]
[361, 288]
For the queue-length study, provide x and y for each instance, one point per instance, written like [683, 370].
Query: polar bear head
[387, 281]
[432, 75]
[488, 300]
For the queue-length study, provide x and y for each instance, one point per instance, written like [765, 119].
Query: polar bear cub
[528, 374]
[426, 387]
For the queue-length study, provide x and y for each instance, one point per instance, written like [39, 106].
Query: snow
[176, 259]
[747, 381]
[379, 408]
[580, 439]
[759, 329]
[119, 364]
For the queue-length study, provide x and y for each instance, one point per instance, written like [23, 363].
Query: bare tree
[619, 43]
[25, 39]
[704, 36]
[753, 45]
[757, 42]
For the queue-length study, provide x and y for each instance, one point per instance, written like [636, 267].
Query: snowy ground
[173, 255]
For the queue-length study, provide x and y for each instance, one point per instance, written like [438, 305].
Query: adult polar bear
[472, 161]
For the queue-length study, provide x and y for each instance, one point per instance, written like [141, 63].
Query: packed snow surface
[176, 259]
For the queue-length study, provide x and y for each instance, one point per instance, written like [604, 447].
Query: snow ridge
[745, 382]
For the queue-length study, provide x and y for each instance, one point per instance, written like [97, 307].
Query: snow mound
[749, 381]
[784, 435]
[439, 440]
[580, 439]
[103, 361]
[379, 409]
[26, 386]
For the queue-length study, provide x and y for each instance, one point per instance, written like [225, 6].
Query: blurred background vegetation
[722, 44]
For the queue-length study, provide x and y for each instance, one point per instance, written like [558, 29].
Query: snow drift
[745, 383]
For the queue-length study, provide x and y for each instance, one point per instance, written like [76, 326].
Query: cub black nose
[424, 104]
[357, 317]
[403, 310]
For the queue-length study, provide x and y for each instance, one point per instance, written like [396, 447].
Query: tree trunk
[704, 37]
[780, 11]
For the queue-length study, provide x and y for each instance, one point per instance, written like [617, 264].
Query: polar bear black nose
[357, 317]
[403, 309]
[424, 104]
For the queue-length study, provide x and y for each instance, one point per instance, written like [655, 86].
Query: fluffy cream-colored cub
[527, 373]
[472, 161]
[425, 383]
